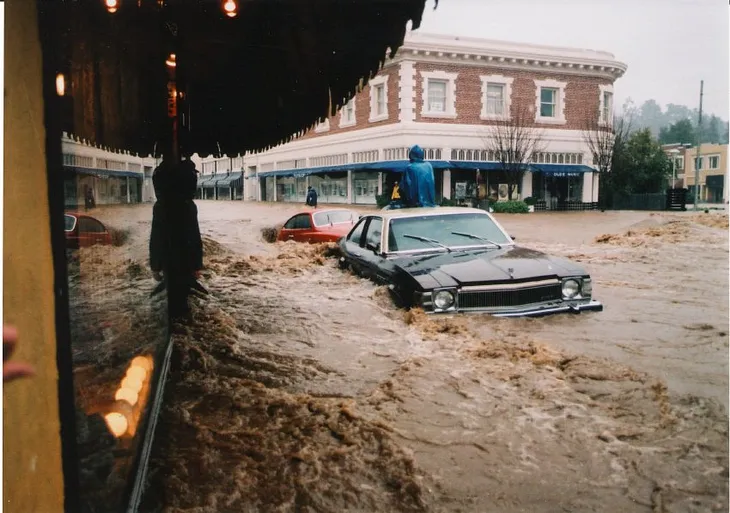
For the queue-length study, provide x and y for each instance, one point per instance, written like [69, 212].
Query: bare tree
[515, 141]
[606, 143]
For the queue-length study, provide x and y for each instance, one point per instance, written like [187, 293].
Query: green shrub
[447, 202]
[529, 201]
[510, 207]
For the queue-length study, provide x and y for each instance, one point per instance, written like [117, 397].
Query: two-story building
[713, 171]
[445, 94]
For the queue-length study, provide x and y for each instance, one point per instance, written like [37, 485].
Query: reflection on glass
[117, 330]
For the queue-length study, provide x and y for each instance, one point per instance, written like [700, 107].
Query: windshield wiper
[426, 239]
[472, 236]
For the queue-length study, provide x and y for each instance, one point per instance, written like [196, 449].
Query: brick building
[448, 94]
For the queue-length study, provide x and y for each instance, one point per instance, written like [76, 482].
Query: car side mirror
[375, 248]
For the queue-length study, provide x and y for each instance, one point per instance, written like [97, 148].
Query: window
[714, 162]
[607, 106]
[347, 115]
[88, 225]
[438, 94]
[374, 231]
[496, 94]
[300, 222]
[323, 126]
[70, 223]
[356, 233]
[701, 162]
[549, 102]
[679, 163]
[379, 98]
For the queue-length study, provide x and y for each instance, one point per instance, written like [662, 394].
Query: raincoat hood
[416, 154]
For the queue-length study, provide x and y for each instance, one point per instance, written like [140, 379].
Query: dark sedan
[448, 260]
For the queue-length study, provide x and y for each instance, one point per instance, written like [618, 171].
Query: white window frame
[324, 126]
[709, 161]
[603, 89]
[343, 121]
[506, 82]
[450, 107]
[559, 118]
[701, 162]
[374, 84]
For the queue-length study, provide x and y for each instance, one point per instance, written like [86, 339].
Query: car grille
[497, 298]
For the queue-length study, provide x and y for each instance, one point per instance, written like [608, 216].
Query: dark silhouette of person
[418, 186]
[311, 197]
[89, 201]
[176, 247]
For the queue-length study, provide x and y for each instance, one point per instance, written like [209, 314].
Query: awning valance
[398, 166]
[227, 180]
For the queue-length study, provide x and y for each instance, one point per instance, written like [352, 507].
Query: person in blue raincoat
[418, 186]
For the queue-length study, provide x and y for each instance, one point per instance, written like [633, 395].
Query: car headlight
[444, 299]
[571, 289]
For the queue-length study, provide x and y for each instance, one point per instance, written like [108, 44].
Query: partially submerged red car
[83, 231]
[327, 225]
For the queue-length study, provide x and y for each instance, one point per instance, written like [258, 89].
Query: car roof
[418, 212]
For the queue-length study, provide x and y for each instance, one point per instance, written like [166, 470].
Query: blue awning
[474, 165]
[102, 172]
[208, 181]
[227, 180]
[394, 166]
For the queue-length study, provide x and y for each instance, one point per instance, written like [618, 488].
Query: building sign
[566, 174]
[460, 190]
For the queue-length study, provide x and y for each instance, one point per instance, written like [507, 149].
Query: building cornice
[505, 55]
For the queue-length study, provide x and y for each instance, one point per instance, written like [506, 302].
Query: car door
[90, 232]
[298, 228]
[373, 260]
[354, 251]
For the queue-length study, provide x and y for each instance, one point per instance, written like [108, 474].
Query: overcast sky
[669, 45]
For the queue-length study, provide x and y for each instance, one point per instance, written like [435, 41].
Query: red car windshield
[334, 217]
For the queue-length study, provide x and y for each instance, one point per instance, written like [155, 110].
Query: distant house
[713, 164]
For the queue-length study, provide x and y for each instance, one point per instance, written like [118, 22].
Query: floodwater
[301, 388]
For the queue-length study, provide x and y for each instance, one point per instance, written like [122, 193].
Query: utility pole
[699, 145]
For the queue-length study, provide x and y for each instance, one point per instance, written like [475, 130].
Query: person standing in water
[311, 197]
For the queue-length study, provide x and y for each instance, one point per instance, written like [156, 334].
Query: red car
[83, 231]
[328, 225]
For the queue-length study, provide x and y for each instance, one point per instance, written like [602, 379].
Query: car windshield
[70, 222]
[334, 217]
[447, 229]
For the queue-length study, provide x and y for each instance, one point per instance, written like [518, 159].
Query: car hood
[511, 263]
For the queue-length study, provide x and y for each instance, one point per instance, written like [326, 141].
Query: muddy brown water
[300, 388]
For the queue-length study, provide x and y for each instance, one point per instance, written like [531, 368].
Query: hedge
[510, 207]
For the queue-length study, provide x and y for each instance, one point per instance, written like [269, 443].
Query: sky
[668, 45]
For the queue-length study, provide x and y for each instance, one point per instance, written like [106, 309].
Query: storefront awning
[474, 165]
[102, 172]
[226, 181]
[208, 181]
[393, 166]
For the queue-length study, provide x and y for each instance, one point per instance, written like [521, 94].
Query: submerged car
[449, 260]
[83, 231]
[327, 225]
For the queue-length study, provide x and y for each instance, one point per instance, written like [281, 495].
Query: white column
[596, 184]
[380, 183]
[275, 188]
[526, 185]
[446, 184]
[587, 187]
[129, 196]
[349, 188]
